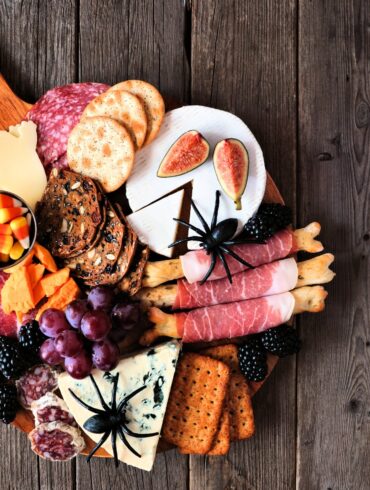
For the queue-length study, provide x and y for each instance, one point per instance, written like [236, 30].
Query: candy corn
[16, 251]
[5, 230]
[8, 214]
[6, 243]
[21, 231]
[4, 258]
[9, 202]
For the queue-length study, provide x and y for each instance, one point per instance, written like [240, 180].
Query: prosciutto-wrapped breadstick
[234, 319]
[268, 279]
[194, 265]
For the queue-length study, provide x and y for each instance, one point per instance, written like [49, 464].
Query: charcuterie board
[91, 269]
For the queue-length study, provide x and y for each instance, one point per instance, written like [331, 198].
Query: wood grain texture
[334, 181]
[243, 60]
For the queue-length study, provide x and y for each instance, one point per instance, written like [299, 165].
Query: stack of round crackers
[112, 128]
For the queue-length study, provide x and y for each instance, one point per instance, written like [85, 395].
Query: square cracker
[239, 402]
[196, 403]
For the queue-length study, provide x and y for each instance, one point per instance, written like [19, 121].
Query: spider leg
[114, 393]
[215, 211]
[89, 407]
[127, 398]
[114, 447]
[242, 241]
[225, 264]
[126, 443]
[129, 432]
[100, 396]
[210, 270]
[201, 219]
[99, 444]
[188, 239]
[192, 227]
[228, 251]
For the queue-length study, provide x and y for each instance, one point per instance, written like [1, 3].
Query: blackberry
[8, 403]
[30, 338]
[269, 219]
[281, 341]
[12, 359]
[252, 359]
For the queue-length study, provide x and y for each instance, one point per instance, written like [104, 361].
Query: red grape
[105, 354]
[49, 354]
[79, 366]
[125, 316]
[75, 311]
[101, 298]
[95, 325]
[68, 343]
[53, 322]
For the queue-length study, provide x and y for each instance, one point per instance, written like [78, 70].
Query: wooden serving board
[12, 111]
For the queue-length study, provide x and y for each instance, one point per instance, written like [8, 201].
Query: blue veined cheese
[153, 368]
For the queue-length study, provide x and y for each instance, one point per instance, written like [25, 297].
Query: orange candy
[4, 258]
[8, 214]
[16, 251]
[9, 202]
[6, 243]
[21, 231]
[5, 230]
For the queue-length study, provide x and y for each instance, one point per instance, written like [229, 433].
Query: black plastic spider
[111, 420]
[216, 239]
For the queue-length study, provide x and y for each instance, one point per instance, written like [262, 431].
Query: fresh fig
[187, 153]
[231, 162]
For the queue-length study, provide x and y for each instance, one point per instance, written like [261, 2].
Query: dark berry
[281, 341]
[13, 362]
[253, 359]
[8, 403]
[31, 338]
[270, 218]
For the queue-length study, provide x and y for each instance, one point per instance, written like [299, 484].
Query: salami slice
[51, 408]
[35, 383]
[56, 113]
[8, 323]
[56, 441]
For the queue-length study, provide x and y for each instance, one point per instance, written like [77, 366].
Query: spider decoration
[216, 239]
[111, 420]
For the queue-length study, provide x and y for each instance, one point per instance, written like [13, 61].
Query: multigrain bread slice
[239, 402]
[196, 403]
[153, 104]
[102, 149]
[125, 108]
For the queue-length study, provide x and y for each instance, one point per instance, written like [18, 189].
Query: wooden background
[298, 72]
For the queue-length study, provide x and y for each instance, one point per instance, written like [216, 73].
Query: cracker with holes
[239, 403]
[102, 149]
[125, 108]
[196, 403]
[153, 104]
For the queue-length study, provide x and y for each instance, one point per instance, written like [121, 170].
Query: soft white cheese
[21, 170]
[155, 225]
[154, 368]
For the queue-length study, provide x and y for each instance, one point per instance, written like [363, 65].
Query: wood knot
[362, 116]
[366, 237]
[354, 405]
[325, 156]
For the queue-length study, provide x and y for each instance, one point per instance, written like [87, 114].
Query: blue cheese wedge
[153, 368]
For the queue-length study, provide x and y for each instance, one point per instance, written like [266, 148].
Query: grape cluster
[88, 332]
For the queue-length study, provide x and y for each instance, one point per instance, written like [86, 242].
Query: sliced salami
[35, 383]
[56, 441]
[56, 113]
[8, 323]
[51, 408]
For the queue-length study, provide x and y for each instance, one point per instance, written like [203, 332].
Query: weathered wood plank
[334, 167]
[120, 40]
[243, 60]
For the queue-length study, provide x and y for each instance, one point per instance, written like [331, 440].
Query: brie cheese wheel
[143, 186]
[21, 170]
[155, 225]
[154, 368]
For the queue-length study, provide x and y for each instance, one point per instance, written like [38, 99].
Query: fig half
[231, 163]
[188, 152]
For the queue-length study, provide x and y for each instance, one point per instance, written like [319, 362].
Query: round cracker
[153, 104]
[125, 108]
[102, 149]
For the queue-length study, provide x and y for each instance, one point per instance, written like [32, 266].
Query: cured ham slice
[234, 319]
[278, 277]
